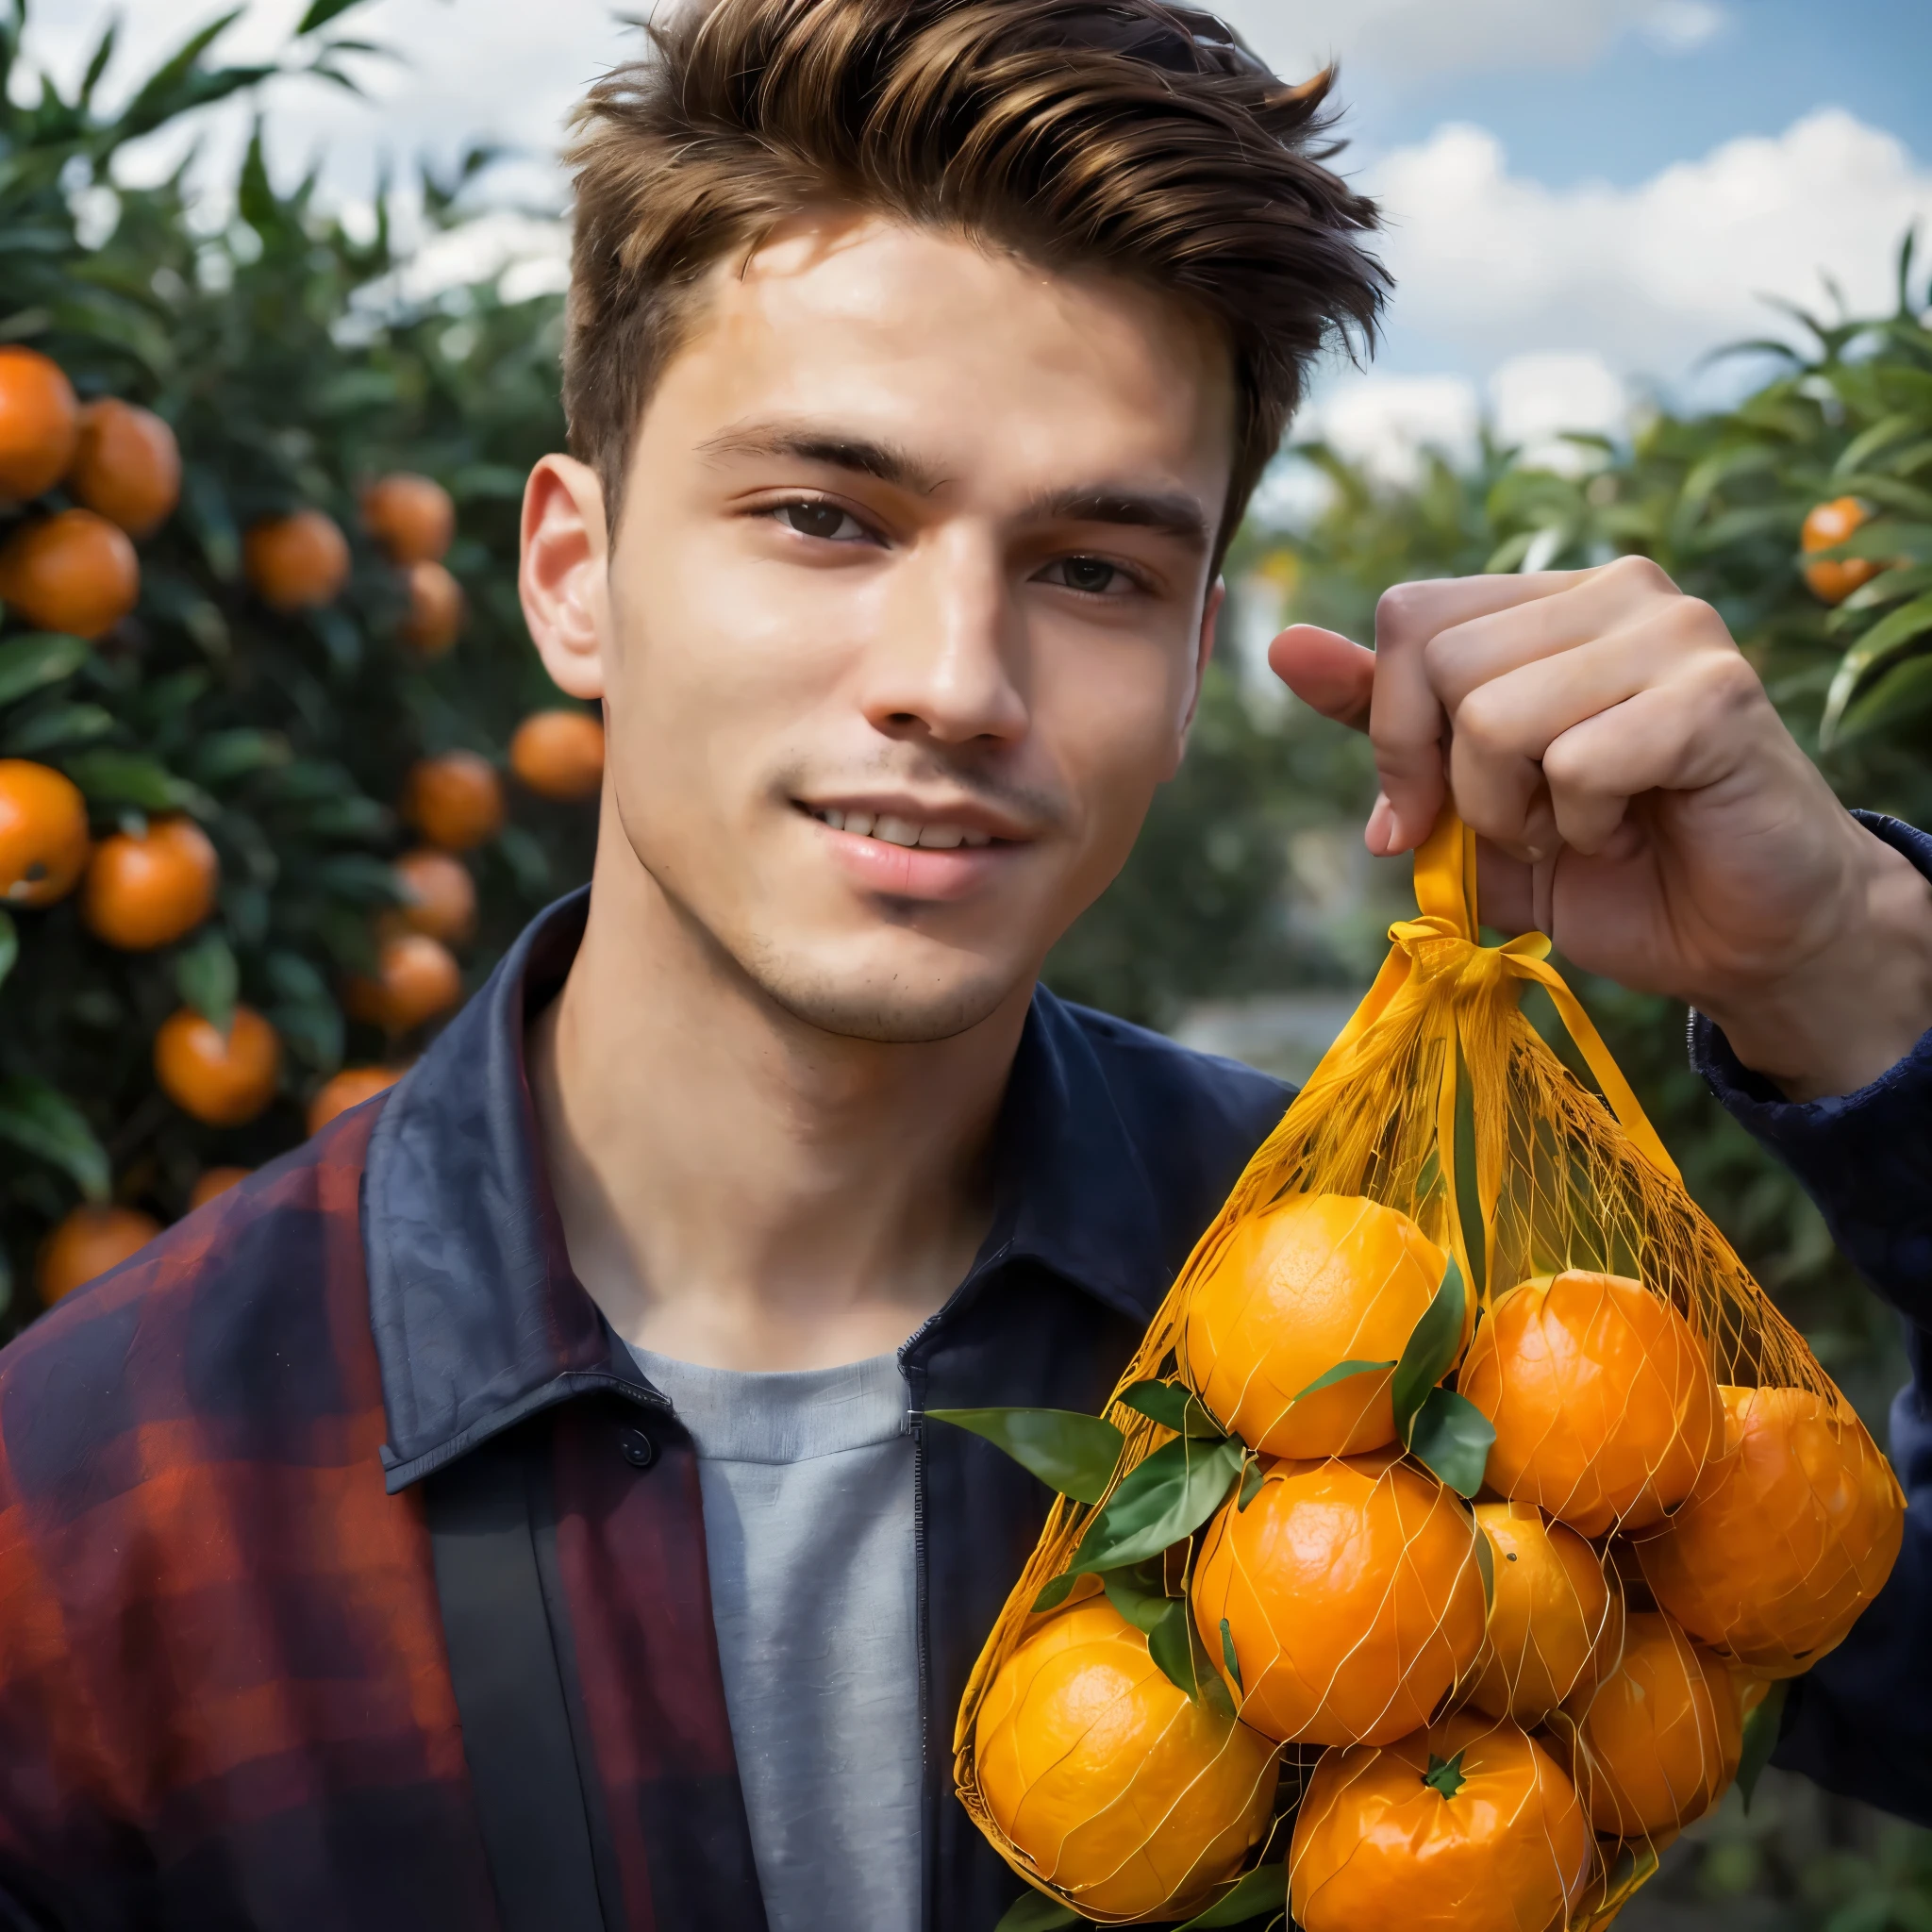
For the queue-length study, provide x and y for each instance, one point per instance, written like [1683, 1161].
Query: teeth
[894, 831]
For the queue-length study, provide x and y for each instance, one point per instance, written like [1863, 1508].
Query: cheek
[719, 657]
[1113, 714]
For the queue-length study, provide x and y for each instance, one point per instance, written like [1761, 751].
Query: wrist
[1858, 1003]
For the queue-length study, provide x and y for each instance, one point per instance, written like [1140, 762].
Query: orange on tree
[558, 753]
[127, 466]
[1468, 1827]
[1556, 1614]
[39, 420]
[44, 844]
[1352, 1595]
[1319, 1280]
[296, 563]
[1787, 1537]
[1832, 579]
[350, 1088]
[145, 890]
[72, 572]
[416, 978]
[220, 1078]
[1601, 1395]
[214, 1181]
[455, 800]
[435, 615]
[87, 1242]
[1108, 1780]
[1656, 1742]
[438, 896]
[410, 517]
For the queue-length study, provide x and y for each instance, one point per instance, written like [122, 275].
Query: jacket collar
[478, 1320]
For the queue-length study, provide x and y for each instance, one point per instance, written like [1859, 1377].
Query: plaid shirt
[224, 1695]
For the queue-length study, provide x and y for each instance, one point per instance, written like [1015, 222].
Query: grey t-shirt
[806, 1479]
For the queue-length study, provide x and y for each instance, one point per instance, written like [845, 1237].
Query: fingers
[1408, 719]
[1326, 672]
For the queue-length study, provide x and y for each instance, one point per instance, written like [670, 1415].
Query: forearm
[1865, 1155]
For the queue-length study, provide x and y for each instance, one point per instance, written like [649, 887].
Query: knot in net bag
[1446, 1545]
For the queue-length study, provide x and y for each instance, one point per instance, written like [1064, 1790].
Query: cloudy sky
[1583, 196]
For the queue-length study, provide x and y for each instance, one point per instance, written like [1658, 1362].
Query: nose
[948, 665]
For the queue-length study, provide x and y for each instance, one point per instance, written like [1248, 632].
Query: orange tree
[239, 714]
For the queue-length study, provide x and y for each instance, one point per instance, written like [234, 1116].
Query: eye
[825, 521]
[1093, 576]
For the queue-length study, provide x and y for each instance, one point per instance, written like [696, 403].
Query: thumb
[1327, 672]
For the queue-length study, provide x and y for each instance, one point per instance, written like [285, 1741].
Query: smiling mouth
[934, 836]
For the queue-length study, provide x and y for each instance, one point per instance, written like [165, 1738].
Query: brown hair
[1131, 134]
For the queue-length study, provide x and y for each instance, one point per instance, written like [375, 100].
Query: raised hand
[1640, 800]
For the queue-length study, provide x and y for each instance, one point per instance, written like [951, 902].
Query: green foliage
[291, 371]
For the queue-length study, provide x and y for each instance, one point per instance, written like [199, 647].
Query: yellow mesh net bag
[1442, 1551]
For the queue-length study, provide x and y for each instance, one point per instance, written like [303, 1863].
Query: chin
[866, 1006]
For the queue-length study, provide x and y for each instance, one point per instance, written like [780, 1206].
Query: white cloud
[1490, 264]
[1385, 423]
[1535, 398]
[1410, 39]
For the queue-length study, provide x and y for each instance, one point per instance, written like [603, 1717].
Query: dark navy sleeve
[1861, 1720]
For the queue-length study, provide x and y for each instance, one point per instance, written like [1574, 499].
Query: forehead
[997, 368]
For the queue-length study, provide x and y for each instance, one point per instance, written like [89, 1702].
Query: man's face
[908, 602]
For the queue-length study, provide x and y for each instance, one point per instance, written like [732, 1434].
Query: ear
[562, 579]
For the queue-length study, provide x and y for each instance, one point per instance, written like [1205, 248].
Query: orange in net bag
[1443, 1548]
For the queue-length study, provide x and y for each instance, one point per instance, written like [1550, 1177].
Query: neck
[738, 1187]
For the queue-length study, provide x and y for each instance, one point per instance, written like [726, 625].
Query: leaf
[1036, 1912]
[1170, 1644]
[1885, 639]
[1167, 1498]
[1444, 1774]
[1227, 1656]
[29, 663]
[41, 1119]
[321, 13]
[1072, 1453]
[1340, 1372]
[1055, 1593]
[1139, 1593]
[1469, 1206]
[1486, 1562]
[122, 778]
[1430, 1350]
[50, 728]
[207, 978]
[1451, 1437]
[1762, 1730]
[1263, 1890]
[10, 944]
[1174, 1408]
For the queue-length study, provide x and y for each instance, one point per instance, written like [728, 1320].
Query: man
[505, 1509]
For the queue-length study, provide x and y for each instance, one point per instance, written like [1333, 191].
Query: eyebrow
[1173, 514]
[890, 463]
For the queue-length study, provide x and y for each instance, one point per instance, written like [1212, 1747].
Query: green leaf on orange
[1451, 1437]
[1430, 1350]
[1163, 1498]
[1070, 1452]
[1263, 1890]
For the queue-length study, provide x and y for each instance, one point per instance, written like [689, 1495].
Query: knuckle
[1483, 721]
[1399, 611]
[1642, 573]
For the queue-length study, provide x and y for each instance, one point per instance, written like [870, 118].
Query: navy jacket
[224, 1691]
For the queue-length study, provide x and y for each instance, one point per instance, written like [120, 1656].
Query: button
[638, 1450]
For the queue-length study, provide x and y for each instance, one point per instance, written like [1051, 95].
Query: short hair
[1132, 136]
